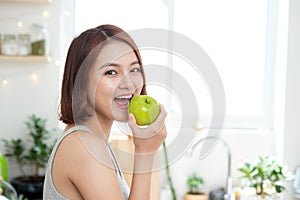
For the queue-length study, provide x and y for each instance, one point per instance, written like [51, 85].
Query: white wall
[292, 116]
[23, 96]
[292, 131]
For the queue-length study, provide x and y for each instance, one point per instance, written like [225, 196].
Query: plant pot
[30, 187]
[255, 197]
[200, 196]
[248, 195]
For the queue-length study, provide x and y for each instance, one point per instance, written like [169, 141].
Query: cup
[3, 167]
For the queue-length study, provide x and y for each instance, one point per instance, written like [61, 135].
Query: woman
[103, 71]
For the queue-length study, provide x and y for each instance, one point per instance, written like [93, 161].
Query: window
[237, 35]
[234, 34]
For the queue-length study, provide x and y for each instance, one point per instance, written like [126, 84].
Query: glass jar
[40, 39]
[24, 44]
[9, 45]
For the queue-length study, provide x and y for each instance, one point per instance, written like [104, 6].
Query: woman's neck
[98, 125]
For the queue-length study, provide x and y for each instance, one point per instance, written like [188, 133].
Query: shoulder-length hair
[81, 55]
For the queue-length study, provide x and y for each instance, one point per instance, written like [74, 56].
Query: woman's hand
[148, 139]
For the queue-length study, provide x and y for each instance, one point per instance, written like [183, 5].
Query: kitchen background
[31, 85]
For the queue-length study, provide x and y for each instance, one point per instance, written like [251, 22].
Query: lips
[123, 100]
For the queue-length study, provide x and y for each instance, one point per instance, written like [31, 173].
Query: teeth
[124, 97]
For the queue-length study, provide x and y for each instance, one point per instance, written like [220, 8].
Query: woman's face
[116, 77]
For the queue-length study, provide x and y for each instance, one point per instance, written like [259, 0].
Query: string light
[19, 24]
[4, 82]
[67, 13]
[34, 76]
[46, 14]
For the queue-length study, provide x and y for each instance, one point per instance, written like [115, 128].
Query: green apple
[144, 108]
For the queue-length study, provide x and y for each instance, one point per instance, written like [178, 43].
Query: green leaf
[266, 169]
[279, 188]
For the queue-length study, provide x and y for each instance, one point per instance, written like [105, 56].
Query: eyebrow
[117, 65]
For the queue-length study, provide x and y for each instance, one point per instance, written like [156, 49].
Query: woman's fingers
[132, 122]
[150, 130]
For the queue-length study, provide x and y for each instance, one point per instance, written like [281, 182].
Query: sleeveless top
[50, 192]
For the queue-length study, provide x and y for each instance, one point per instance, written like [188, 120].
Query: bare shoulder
[83, 148]
[82, 167]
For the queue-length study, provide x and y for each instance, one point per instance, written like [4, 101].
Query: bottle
[24, 44]
[40, 39]
[9, 45]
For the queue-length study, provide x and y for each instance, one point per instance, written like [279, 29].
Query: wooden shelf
[26, 58]
[25, 1]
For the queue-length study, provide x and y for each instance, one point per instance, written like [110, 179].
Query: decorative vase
[251, 195]
[258, 197]
[200, 196]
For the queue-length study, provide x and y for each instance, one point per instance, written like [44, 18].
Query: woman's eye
[110, 72]
[136, 69]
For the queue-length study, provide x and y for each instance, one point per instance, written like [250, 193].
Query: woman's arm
[146, 141]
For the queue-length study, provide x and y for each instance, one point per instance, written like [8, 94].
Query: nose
[126, 82]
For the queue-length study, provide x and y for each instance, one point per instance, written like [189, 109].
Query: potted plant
[31, 157]
[266, 176]
[195, 184]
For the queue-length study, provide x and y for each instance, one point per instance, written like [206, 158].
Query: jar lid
[24, 36]
[39, 25]
[9, 36]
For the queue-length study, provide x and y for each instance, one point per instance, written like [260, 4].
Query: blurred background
[254, 45]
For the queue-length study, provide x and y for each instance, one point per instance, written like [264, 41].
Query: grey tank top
[50, 192]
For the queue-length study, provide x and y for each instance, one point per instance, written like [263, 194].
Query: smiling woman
[103, 71]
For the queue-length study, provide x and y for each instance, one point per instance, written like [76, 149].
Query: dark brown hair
[74, 104]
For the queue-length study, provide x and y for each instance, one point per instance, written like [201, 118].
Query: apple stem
[168, 172]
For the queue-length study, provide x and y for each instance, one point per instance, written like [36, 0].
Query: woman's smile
[122, 101]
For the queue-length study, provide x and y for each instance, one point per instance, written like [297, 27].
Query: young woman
[103, 71]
